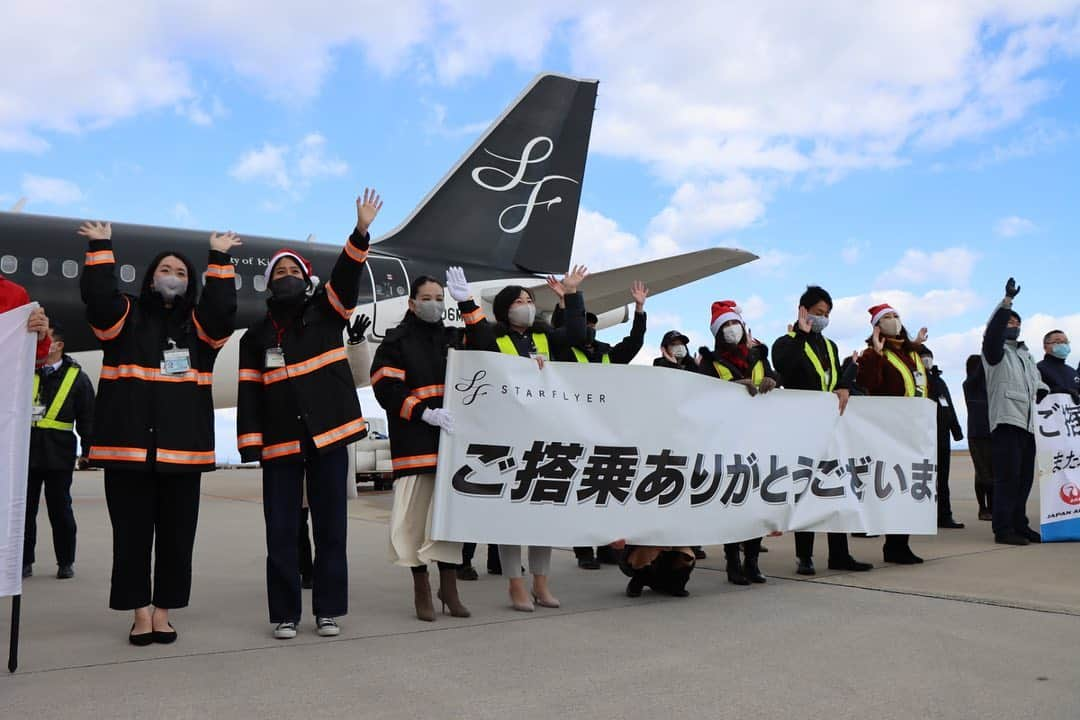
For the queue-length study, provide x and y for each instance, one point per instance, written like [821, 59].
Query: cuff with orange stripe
[408, 406]
[335, 302]
[216, 343]
[387, 372]
[247, 440]
[356, 247]
[221, 272]
[471, 317]
[111, 332]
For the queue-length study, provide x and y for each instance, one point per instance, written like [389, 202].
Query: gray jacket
[1013, 382]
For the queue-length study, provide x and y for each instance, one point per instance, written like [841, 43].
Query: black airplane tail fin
[511, 202]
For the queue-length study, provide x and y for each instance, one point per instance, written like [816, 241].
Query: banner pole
[13, 648]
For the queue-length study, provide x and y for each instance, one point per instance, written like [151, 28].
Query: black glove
[357, 329]
[1011, 289]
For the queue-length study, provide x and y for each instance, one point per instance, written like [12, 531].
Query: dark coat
[758, 353]
[687, 363]
[947, 421]
[560, 340]
[620, 354]
[52, 449]
[789, 356]
[978, 408]
[1059, 377]
[878, 376]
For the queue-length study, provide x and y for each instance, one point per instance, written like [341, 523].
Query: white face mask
[522, 315]
[170, 287]
[430, 311]
[890, 327]
[677, 351]
[732, 334]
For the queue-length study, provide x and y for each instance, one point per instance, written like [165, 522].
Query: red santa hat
[722, 311]
[879, 311]
[305, 266]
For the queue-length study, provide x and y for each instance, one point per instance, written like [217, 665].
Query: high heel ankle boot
[422, 595]
[448, 594]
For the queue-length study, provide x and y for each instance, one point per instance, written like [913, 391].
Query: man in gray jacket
[1013, 385]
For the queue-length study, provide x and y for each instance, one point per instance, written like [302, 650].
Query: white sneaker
[327, 627]
[285, 631]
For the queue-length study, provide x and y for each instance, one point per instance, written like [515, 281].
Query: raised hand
[556, 287]
[751, 341]
[358, 328]
[921, 337]
[38, 323]
[1011, 289]
[639, 292]
[96, 230]
[877, 340]
[456, 283]
[804, 320]
[574, 278]
[225, 241]
[368, 206]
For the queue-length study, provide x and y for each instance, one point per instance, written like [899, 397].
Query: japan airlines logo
[1070, 493]
[544, 147]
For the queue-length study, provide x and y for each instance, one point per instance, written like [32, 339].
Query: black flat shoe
[752, 572]
[850, 564]
[1011, 539]
[634, 588]
[467, 573]
[142, 639]
[65, 572]
[588, 563]
[950, 524]
[1031, 535]
[699, 554]
[806, 567]
[164, 638]
[904, 557]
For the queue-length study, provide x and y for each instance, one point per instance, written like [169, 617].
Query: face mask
[677, 351]
[818, 323]
[891, 327]
[169, 287]
[430, 311]
[288, 287]
[732, 334]
[1061, 350]
[1012, 334]
[522, 315]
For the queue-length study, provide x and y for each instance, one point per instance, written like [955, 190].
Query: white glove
[440, 417]
[457, 284]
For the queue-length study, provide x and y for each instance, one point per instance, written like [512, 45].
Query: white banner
[17, 348]
[1057, 445]
[579, 454]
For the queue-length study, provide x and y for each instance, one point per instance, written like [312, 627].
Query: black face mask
[590, 335]
[288, 288]
[1012, 333]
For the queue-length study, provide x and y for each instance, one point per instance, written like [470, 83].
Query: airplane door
[390, 287]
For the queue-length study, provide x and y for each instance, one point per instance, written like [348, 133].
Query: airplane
[506, 212]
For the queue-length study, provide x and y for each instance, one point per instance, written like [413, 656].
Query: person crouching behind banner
[407, 376]
[662, 569]
[737, 357]
[892, 367]
[154, 416]
[675, 352]
[297, 412]
[517, 331]
[807, 360]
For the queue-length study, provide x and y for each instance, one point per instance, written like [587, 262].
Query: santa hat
[305, 266]
[879, 311]
[722, 311]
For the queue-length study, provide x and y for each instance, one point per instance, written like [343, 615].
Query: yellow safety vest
[757, 374]
[828, 380]
[540, 340]
[49, 421]
[911, 388]
[583, 358]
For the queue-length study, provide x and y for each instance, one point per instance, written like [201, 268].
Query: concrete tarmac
[979, 631]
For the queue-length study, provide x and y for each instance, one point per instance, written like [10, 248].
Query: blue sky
[916, 153]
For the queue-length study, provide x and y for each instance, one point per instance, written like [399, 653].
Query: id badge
[920, 379]
[275, 358]
[175, 361]
[37, 413]
[943, 402]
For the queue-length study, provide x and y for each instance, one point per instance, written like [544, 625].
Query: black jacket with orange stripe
[143, 418]
[313, 398]
[407, 376]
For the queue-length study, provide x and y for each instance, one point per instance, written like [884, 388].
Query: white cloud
[312, 161]
[754, 308]
[289, 168]
[1014, 225]
[54, 191]
[698, 210]
[850, 318]
[853, 251]
[200, 114]
[265, 165]
[774, 263]
[439, 126]
[953, 265]
[600, 244]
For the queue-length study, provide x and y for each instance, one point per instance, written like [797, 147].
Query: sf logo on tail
[517, 178]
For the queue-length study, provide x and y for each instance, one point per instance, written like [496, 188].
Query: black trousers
[156, 512]
[283, 494]
[468, 552]
[944, 463]
[838, 545]
[982, 457]
[751, 549]
[1014, 472]
[57, 484]
[895, 543]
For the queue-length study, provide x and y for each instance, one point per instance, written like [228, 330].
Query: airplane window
[259, 283]
[127, 273]
[40, 267]
[70, 269]
[239, 282]
[9, 264]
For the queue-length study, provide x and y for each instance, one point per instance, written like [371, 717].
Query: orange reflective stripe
[355, 253]
[335, 302]
[185, 457]
[224, 272]
[414, 461]
[281, 450]
[249, 440]
[98, 452]
[473, 316]
[137, 372]
[387, 372]
[112, 332]
[341, 431]
[408, 406]
[101, 257]
[307, 366]
[216, 344]
[429, 391]
[247, 375]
